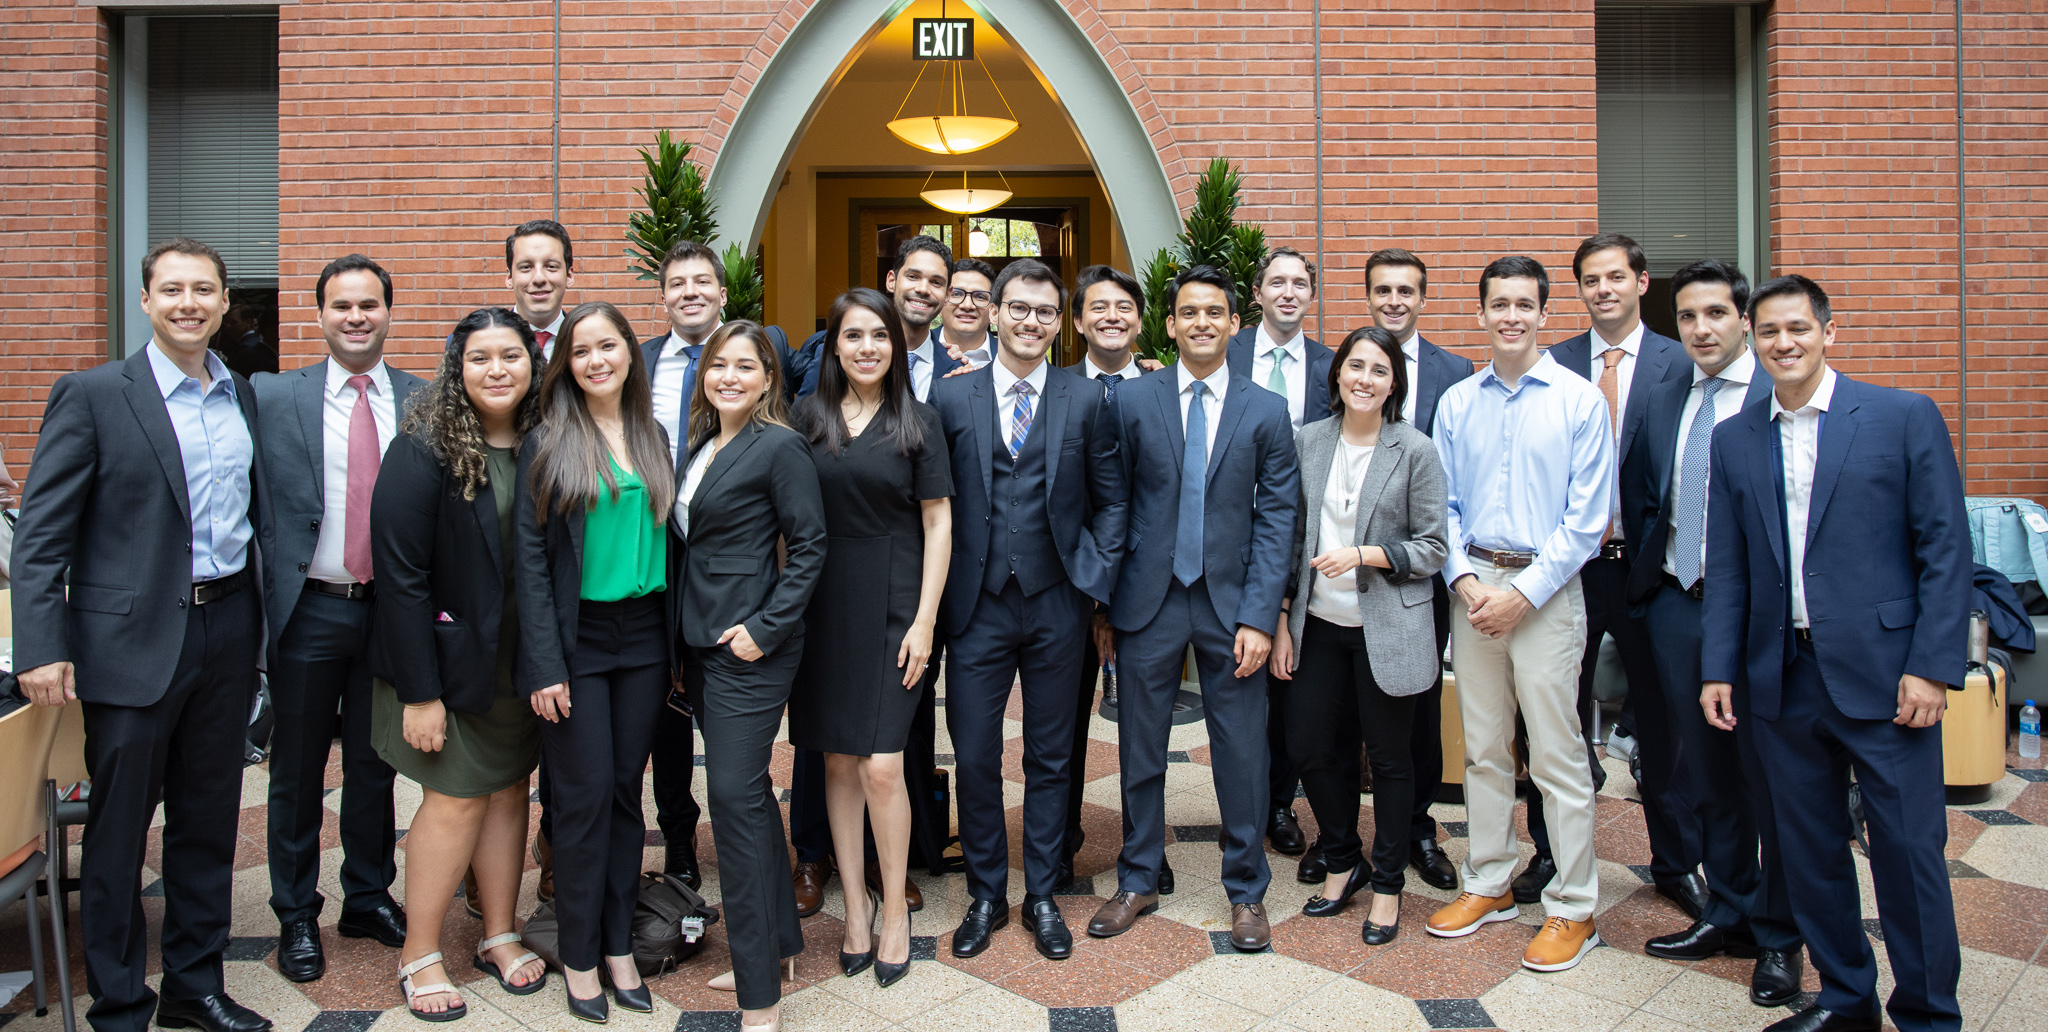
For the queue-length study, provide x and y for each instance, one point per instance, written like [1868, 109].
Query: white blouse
[698, 464]
[1335, 599]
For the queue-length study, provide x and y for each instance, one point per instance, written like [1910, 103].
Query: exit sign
[942, 39]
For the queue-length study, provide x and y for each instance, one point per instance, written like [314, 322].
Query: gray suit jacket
[1402, 508]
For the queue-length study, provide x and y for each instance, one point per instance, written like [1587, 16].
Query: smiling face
[919, 287]
[1202, 323]
[1395, 293]
[733, 378]
[1365, 382]
[354, 320]
[539, 278]
[1613, 292]
[185, 302]
[863, 347]
[1284, 293]
[967, 319]
[1792, 343]
[1108, 321]
[496, 371]
[1710, 324]
[600, 358]
[1018, 327]
[1511, 314]
[692, 298]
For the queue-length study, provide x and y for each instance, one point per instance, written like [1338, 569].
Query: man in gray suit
[324, 428]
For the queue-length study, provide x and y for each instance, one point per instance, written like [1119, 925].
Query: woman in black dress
[883, 471]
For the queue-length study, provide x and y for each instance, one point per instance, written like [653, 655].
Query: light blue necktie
[1692, 485]
[915, 358]
[1020, 416]
[1194, 472]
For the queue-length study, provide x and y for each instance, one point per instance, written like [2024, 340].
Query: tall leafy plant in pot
[1210, 235]
[677, 208]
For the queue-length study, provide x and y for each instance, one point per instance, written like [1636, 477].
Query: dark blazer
[106, 517]
[1240, 357]
[435, 552]
[1887, 556]
[292, 404]
[1082, 474]
[762, 487]
[1646, 477]
[812, 355]
[1435, 371]
[1654, 361]
[1249, 502]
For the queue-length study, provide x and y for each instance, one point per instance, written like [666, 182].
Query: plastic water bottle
[2030, 731]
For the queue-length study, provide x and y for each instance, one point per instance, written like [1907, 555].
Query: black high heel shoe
[597, 1010]
[1317, 906]
[1381, 934]
[634, 999]
[855, 963]
[887, 974]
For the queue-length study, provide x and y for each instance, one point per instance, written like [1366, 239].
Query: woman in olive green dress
[446, 631]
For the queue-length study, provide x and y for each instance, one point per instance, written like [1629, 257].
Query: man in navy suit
[1397, 286]
[1276, 355]
[1626, 360]
[540, 267]
[1214, 489]
[918, 285]
[1664, 503]
[1032, 446]
[1837, 615]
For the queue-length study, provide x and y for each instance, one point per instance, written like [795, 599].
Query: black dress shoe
[1317, 906]
[299, 957]
[1528, 887]
[1165, 880]
[984, 916]
[1284, 832]
[383, 922]
[1312, 870]
[1689, 892]
[597, 1010]
[1380, 934]
[1700, 941]
[635, 999]
[1048, 928]
[1814, 1019]
[1775, 981]
[1432, 864]
[216, 1013]
[1063, 872]
[681, 861]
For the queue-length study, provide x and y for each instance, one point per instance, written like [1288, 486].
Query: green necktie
[1276, 380]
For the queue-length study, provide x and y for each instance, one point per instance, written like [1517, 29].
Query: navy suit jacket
[1646, 477]
[1887, 554]
[1240, 359]
[1082, 475]
[1435, 371]
[1654, 361]
[811, 358]
[1249, 501]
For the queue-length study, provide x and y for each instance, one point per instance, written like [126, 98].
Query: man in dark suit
[918, 285]
[1031, 447]
[1837, 613]
[324, 429]
[135, 591]
[1277, 356]
[1626, 360]
[1664, 504]
[1397, 287]
[1214, 489]
[540, 267]
[965, 328]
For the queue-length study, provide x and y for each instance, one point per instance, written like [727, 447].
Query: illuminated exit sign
[942, 39]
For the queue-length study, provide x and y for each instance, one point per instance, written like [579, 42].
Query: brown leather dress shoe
[544, 855]
[1249, 930]
[911, 896]
[1120, 912]
[809, 883]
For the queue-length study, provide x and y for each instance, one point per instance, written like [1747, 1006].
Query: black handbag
[669, 923]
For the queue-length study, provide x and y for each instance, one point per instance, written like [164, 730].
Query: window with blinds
[213, 138]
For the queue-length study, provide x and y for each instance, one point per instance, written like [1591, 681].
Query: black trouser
[322, 665]
[676, 810]
[1283, 772]
[1426, 727]
[1084, 711]
[618, 684]
[185, 751]
[1333, 705]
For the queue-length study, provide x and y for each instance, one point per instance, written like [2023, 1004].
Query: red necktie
[541, 338]
[364, 457]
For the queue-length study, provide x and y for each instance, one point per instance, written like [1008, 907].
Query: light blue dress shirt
[214, 442]
[1530, 468]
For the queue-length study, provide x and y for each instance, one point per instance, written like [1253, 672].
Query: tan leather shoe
[544, 855]
[809, 882]
[1560, 945]
[1249, 930]
[1120, 912]
[1470, 911]
[912, 898]
[472, 897]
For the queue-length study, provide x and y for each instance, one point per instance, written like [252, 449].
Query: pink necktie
[363, 459]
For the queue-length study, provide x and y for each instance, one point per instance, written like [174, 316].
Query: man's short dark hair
[1117, 278]
[185, 246]
[1285, 252]
[1710, 270]
[922, 242]
[977, 266]
[1393, 256]
[1785, 286]
[349, 263]
[1638, 262]
[1517, 266]
[1210, 275]
[685, 250]
[542, 227]
[1030, 270]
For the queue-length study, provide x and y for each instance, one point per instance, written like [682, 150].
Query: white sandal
[490, 968]
[413, 992]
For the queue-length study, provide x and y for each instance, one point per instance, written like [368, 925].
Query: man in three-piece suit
[324, 428]
[135, 591]
[1210, 461]
[1626, 360]
[1664, 504]
[1837, 612]
[1032, 448]
[1397, 286]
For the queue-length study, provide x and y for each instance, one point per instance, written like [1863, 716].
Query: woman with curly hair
[445, 713]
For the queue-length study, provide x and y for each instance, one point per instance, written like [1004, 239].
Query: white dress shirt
[691, 480]
[1335, 599]
[1624, 377]
[1005, 401]
[1727, 402]
[1411, 353]
[1092, 371]
[1212, 402]
[337, 407]
[974, 357]
[1799, 441]
[671, 409]
[1295, 372]
[921, 368]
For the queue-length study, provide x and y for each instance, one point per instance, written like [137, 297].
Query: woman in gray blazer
[1357, 638]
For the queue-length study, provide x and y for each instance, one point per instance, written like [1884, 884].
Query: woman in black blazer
[444, 712]
[745, 482]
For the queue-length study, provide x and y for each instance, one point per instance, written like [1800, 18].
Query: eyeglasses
[1019, 311]
[974, 298]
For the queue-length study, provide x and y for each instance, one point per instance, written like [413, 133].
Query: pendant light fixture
[957, 132]
[965, 200]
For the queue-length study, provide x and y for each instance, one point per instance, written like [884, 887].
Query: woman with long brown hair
[596, 660]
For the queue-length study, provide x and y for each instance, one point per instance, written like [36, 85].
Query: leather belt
[1804, 634]
[1614, 550]
[219, 588]
[1697, 592]
[351, 591]
[1503, 559]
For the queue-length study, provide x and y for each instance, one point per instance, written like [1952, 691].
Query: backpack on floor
[668, 923]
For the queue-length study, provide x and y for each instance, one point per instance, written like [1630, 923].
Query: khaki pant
[1535, 668]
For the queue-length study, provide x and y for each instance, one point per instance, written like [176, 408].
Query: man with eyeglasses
[964, 328]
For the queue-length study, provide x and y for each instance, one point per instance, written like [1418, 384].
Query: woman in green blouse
[595, 658]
